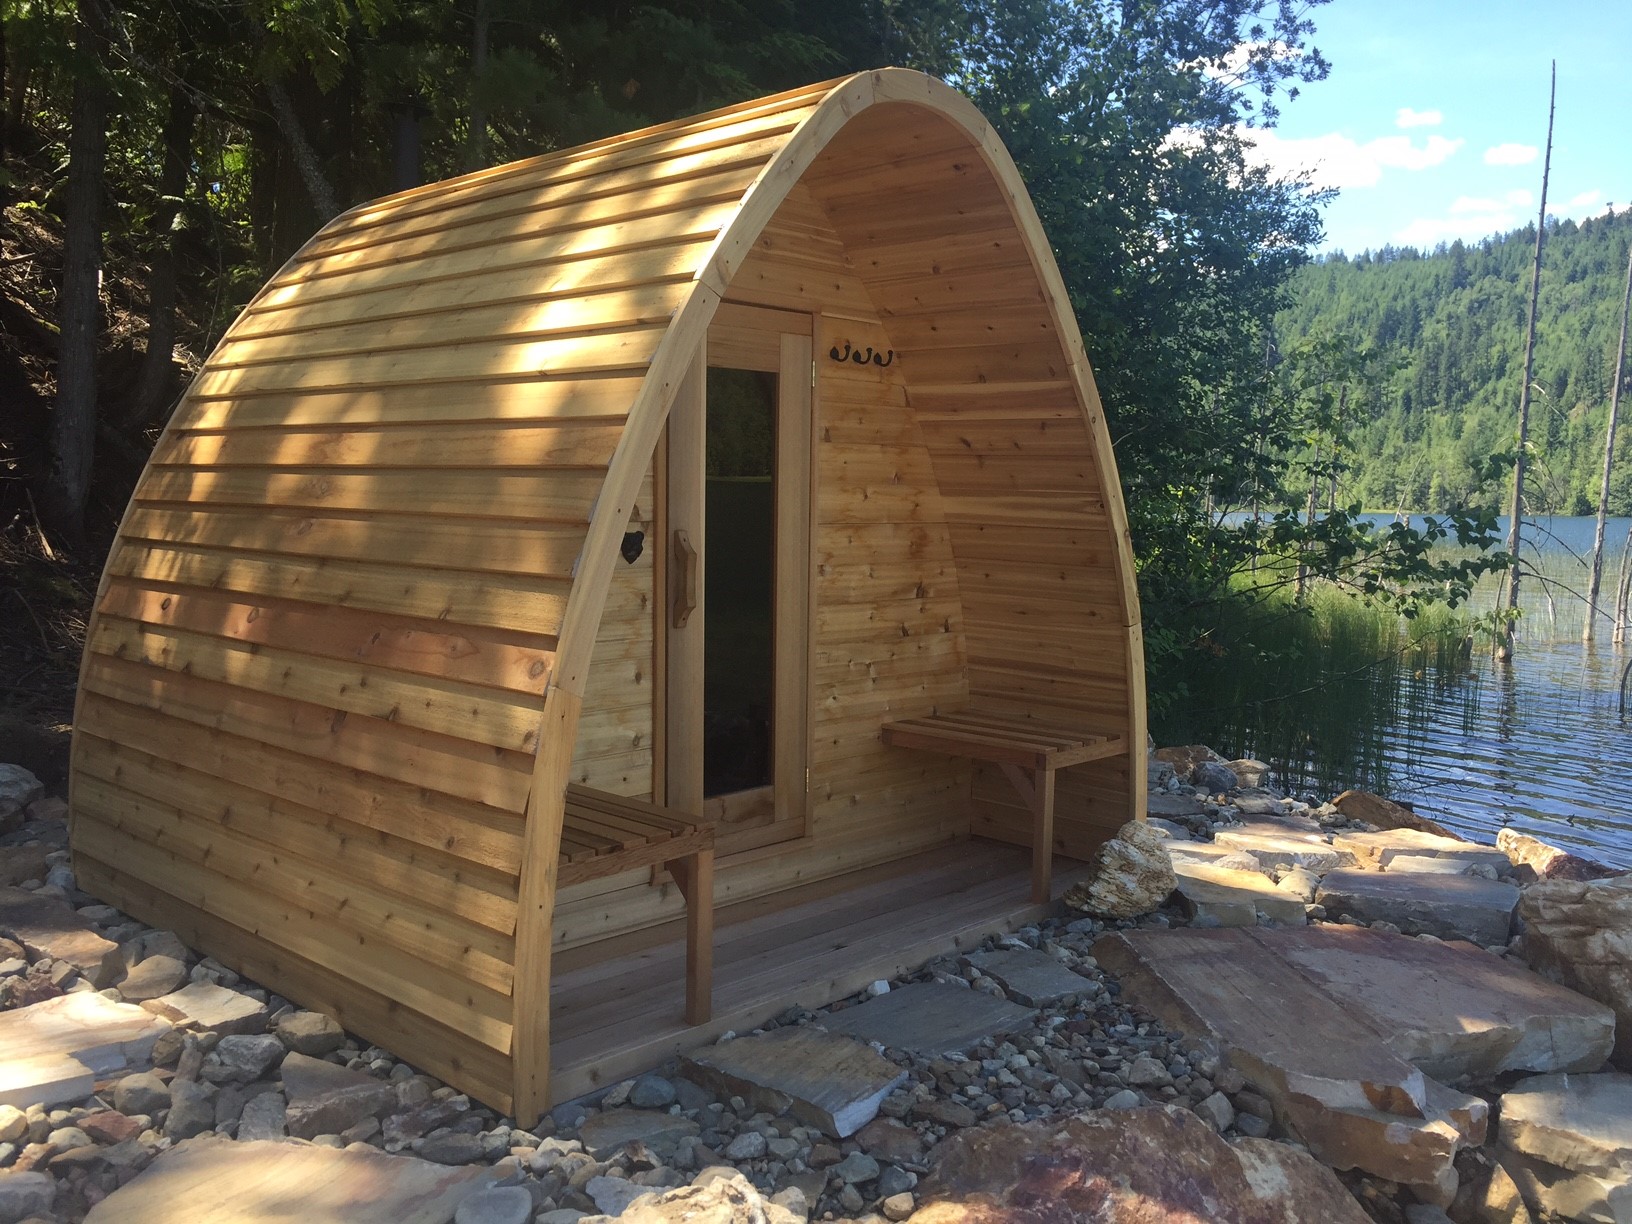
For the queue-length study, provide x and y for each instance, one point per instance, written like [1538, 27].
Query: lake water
[1537, 744]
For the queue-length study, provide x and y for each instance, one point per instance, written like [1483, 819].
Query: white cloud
[1471, 218]
[1408, 118]
[1588, 200]
[1510, 154]
[1476, 205]
[1427, 232]
[1335, 160]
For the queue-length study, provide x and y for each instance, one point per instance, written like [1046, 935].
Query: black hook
[886, 360]
[838, 356]
[859, 359]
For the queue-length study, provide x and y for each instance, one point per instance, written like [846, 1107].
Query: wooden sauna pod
[425, 543]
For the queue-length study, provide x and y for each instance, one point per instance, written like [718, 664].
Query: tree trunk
[155, 383]
[1625, 593]
[306, 161]
[1609, 459]
[73, 423]
[476, 137]
[1504, 639]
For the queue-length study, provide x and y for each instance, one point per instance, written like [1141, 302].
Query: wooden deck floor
[616, 1015]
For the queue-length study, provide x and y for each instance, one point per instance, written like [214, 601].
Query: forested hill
[1453, 321]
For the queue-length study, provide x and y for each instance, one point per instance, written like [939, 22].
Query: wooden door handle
[685, 586]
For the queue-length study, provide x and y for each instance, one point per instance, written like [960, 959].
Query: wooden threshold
[618, 1015]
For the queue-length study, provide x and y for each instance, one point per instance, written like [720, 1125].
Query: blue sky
[1434, 117]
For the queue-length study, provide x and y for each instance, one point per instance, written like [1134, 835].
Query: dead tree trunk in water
[1504, 639]
[1609, 460]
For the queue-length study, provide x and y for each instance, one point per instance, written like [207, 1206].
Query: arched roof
[358, 585]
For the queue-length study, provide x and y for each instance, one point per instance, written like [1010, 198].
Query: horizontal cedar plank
[683, 232]
[629, 184]
[435, 762]
[668, 143]
[1089, 551]
[865, 232]
[1084, 510]
[510, 322]
[1039, 473]
[541, 551]
[529, 399]
[558, 215]
[119, 790]
[446, 1052]
[1023, 361]
[482, 716]
[907, 795]
[610, 732]
[426, 648]
[1036, 605]
[466, 841]
[902, 256]
[426, 447]
[997, 404]
[627, 773]
[1055, 584]
[971, 323]
[865, 589]
[888, 540]
[832, 707]
[371, 962]
[1045, 433]
[909, 465]
[845, 623]
[475, 599]
[770, 284]
[877, 502]
[911, 296]
[426, 878]
[565, 497]
[465, 360]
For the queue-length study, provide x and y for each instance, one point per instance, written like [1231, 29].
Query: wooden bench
[603, 835]
[1029, 752]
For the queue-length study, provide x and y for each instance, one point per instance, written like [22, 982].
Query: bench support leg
[1038, 792]
[695, 876]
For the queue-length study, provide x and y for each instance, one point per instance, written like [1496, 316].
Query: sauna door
[737, 490]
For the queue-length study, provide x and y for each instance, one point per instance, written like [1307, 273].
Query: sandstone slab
[1449, 1008]
[1324, 1067]
[929, 1018]
[1034, 979]
[325, 1099]
[1280, 844]
[1171, 806]
[609, 1131]
[1580, 934]
[152, 978]
[1379, 849]
[1129, 875]
[213, 1181]
[210, 1008]
[1578, 1122]
[825, 1079]
[19, 863]
[56, 1050]
[1446, 906]
[1232, 898]
[1126, 1167]
[50, 928]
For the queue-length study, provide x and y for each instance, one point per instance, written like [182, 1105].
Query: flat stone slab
[217, 1181]
[1448, 906]
[49, 927]
[606, 1133]
[1234, 898]
[1380, 848]
[1282, 843]
[1451, 1009]
[1175, 805]
[1034, 979]
[1573, 1137]
[930, 1018]
[326, 1099]
[1324, 1066]
[825, 1079]
[56, 1050]
[210, 1008]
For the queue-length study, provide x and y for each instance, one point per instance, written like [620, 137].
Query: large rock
[1386, 814]
[1134, 1166]
[1222, 896]
[1449, 1008]
[1380, 849]
[1129, 875]
[1547, 862]
[210, 1008]
[18, 789]
[826, 1080]
[56, 1050]
[19, 863]
[1580, 934]
[50, 928]
[25, 1196]
[325, 1099]
[1281, 844]
[1445, 906]
[930, 1018]
[1186, 757]
[719, 1200]
[610, 1131]
[1567, 1141]
[1034, 979]
[154, 977]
